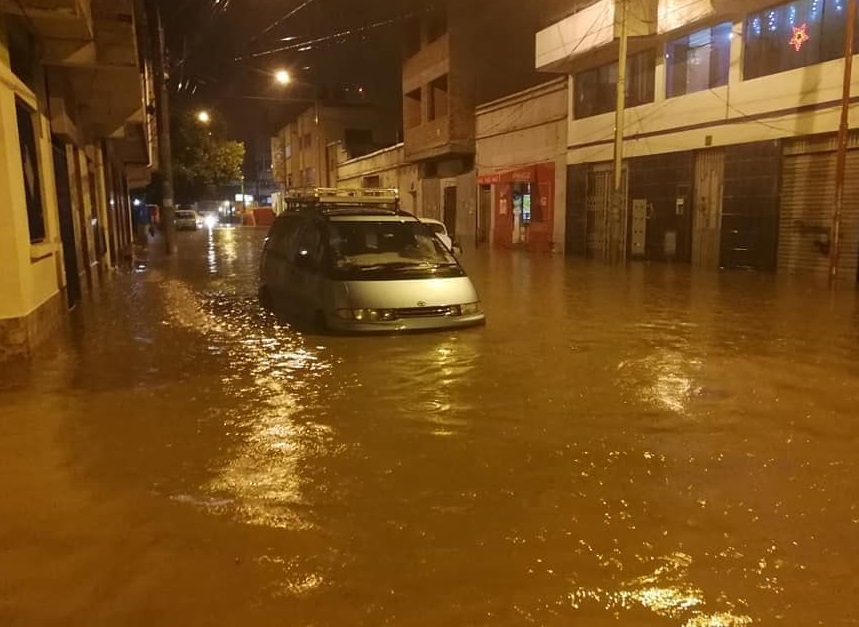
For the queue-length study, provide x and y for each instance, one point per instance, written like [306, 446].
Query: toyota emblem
[421, 303]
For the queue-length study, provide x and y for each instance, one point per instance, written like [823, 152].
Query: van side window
[311, 244]
[286, 244]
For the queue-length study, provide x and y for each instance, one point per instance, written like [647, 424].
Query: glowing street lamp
[282, 77]
[203, 117]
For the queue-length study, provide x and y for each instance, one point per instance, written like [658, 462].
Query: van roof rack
[346, 196]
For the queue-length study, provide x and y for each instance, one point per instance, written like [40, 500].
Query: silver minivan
[364, 270]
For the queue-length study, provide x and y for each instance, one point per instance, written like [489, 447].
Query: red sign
[516, 176]
[489, 179]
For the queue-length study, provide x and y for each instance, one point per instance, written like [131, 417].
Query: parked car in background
[186, 220]
[440, 230]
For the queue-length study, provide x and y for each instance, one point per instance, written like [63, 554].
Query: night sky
[213, 43]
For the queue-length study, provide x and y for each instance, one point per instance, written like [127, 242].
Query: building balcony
[54, 19]
[430, 62]
[591, 35]
[677, 14]
[435, 140]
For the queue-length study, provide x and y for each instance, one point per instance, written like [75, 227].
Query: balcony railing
[590, 30]
[55, 19]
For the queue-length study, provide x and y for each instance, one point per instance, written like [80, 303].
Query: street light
[203, 117]
[282, 77]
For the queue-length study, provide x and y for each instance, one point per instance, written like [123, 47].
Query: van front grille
[425, 312]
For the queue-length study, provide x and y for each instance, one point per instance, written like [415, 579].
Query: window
[31, 177]
[372, 182]
[309, 177]
[306, 140]
[596, 89]
[412, 108]
[438, 100]
[310, 245]
[699, 61]
[793, 35]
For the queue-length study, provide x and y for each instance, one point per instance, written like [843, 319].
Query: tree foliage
[203, 159]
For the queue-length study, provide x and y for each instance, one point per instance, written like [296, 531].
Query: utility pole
[843, 134]
[162, 99]
[616, 247]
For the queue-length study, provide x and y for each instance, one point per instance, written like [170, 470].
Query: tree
[203, 159]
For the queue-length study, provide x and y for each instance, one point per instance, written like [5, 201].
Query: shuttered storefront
[807, 200]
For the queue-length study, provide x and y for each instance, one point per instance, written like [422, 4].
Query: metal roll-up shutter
[807, 200]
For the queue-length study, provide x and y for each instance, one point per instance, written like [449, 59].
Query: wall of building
[737, 138]
[804, 101]
[79, 173]
[30, 268]
[385, 168]
[524, 130]
[300, 149]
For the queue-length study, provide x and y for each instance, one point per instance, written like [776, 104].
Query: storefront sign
[489, 179]
[515, 176]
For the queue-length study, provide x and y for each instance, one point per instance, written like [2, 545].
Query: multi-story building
[76, 130]
[729, 148]
[304, 152]
[258, 170]
[385, 168]
[456, 57]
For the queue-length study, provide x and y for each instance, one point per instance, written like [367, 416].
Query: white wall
[30, 271]
[718, 114]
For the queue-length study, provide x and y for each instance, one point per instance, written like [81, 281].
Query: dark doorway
[67, 225]
[450, 210]
[484, 216]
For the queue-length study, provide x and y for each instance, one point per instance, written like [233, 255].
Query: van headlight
[367, 315]
[470, 309]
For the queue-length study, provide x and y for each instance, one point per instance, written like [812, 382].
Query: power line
[326, 38]
[281, 20]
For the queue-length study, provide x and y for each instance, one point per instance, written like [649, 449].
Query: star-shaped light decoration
[799, 37]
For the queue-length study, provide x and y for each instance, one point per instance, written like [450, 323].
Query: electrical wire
[281, 19]
[326, 38]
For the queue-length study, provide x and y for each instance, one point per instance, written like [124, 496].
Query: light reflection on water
[633, 447]
[666, 592]
[264, 478]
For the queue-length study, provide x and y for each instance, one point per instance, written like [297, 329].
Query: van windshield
[366, 246]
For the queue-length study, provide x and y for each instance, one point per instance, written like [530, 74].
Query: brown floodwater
[637, 446]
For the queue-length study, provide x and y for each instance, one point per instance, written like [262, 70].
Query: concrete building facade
[729, 132]
[76, 130]
[302, 155]
[521, 168]
[386, 168]
[456, 57]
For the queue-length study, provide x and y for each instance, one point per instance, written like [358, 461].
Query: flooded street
[639, 446]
